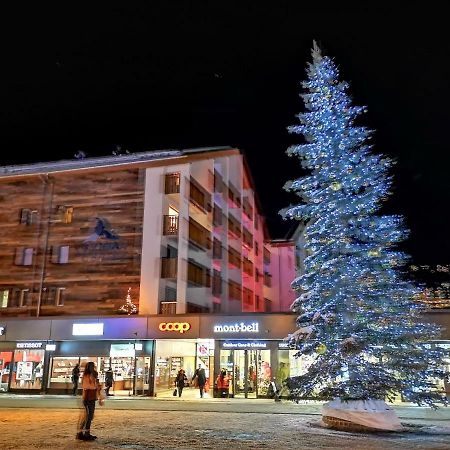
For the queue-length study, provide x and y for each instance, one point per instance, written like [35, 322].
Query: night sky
[185, 74]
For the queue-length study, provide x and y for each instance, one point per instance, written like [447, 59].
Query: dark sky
[185, 74]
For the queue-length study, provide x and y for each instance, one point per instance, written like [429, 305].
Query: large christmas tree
[357, 315]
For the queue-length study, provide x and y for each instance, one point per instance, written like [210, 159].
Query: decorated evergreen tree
[357, 315]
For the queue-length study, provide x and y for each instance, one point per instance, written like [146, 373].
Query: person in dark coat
[109, 380]
[200, 379]
[75, 378]
[180, 381]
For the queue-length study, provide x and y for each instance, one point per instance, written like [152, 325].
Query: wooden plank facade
[71, 242]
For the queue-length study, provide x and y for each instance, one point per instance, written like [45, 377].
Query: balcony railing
[172, 183]
[168, 308]
[234, 290]
[217, 249]
[170, 225]
[199, 235]
[266, 256]
[199, 196]
[247, 267]
[234, 258]
[198, 275]
[247, 238]
[234, 227]
[268, 279]
[168, 267]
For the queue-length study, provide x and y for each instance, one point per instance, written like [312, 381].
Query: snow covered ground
[32, 428]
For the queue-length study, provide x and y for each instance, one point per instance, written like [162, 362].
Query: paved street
[28, 422]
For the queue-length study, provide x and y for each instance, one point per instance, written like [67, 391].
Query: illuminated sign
[50, 347]
[2, 331]
[181, 327]
[122, 350]
[244, 345]
[138, 346]
[29, 345]
[87, 329]
[237, 328]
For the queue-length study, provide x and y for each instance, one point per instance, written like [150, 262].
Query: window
[28, 216]
[24, 256]
[59, 296]
[60, 254]
[53, 296]
[4, 296]
[65, 213]
[21, 297]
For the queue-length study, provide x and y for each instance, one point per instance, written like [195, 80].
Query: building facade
[143, 244]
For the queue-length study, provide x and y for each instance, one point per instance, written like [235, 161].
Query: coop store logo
[181, 327]
[237, 328]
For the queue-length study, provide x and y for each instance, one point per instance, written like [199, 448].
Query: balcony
[170, 225]
[247, 238]
[199, 235]
[172, 183]
[234, 258]
[247, 267]
[266, 256]
[198, 275]
[234, 228]
[267, 279]
[234, 290]
[199, 197]
[169, 268]
[248, 210]
[217, 249]
[168, 308]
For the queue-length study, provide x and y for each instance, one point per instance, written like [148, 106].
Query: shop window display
[5, 368]
[28, 369]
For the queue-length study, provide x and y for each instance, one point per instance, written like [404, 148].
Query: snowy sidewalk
[232, 405]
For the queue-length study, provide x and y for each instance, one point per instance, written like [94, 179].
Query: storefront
[145, 353]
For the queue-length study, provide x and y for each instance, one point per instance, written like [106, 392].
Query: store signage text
[237, 328]
[2, 331]
[244, 345]
[87, 329]
[181, 327]
[29, 345]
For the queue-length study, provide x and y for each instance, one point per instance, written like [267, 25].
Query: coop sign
[29, 345]
[237, 328]
[180, 327]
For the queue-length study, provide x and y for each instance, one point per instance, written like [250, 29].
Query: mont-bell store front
[145, 353]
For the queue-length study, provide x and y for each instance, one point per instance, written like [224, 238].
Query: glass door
[244, 379]
[252, 373]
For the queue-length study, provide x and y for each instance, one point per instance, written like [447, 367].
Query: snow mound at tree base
[364, 415]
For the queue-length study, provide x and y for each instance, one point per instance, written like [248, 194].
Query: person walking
[91, 390]
[180, 381]
[109, 380]
[75, 378]
[200, 379]
[223, 383]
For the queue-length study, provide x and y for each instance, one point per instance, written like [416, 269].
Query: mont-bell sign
[241, 327]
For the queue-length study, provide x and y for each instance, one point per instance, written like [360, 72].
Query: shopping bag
[101, 397]
[175, 392]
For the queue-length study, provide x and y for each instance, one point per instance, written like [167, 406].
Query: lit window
[4, 298]
[65, 213]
